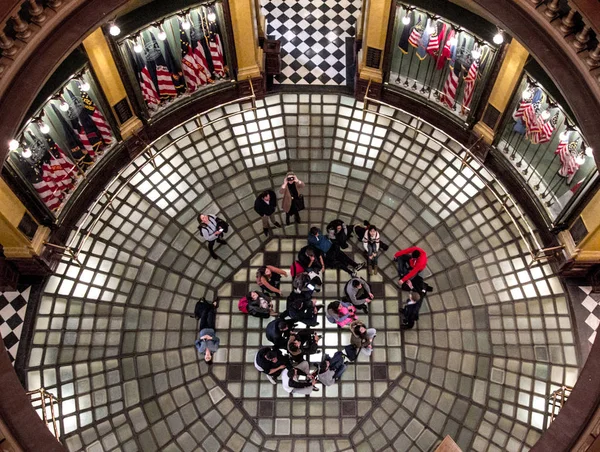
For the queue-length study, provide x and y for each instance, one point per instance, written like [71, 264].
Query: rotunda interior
[114, 337]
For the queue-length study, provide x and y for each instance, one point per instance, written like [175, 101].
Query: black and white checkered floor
[12, 314]
[313, 36]
[591, 303]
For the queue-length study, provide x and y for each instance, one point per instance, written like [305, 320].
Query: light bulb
[406, 20]
[13, 145]
[431, 29]
[137, 48]
[84, 86]
[63, 106]
[26, 153]
[114, 30]
[162, 35]
[453, 41]
[589, 152]
[476, 54]
[185, 24]
[498, 38]
[563, 136]
[211, 16]
[545, 114]
[526, 93]
[580, 159]
[44, 128]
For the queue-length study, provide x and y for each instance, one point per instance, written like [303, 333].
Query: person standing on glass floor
[265, 206]
[292, 201]
[212, 229]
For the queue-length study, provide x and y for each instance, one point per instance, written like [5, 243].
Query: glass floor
[114, 341]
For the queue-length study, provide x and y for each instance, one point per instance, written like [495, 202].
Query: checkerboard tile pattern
[313, 38]
[591, 303]
[12, 314]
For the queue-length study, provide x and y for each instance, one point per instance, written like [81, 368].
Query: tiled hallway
[113, 339]
[314, 37]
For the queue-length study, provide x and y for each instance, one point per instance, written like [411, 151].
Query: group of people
[289, 358]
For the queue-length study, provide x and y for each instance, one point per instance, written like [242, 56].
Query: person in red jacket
[411, 262]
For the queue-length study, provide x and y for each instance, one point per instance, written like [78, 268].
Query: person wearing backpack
[362, 337]
[213, 230]
[358, 292]
[207, 342]
[260, 305]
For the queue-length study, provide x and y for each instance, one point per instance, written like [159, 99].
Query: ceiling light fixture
[26, 153]
[211, 16]
[406, 19]
[83, 85]
[13, 145]
[44, 128]
[114, 30]
[498, 37]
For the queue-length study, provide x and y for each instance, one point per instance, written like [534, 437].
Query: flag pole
[412, 55]
[537, 187]
[423, 89]
[400, 65]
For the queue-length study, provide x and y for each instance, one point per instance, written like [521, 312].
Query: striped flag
[57, 175]
[548, 129]
[216, 54]
[202, 62]
[86, 142]
[422, 49]
[147, 86]
[448, 50]
[71, 136]
[194, 77]
[568, 162]
[166, 87]
[415, 35]
[97, 118]
[435, 39]
[448, 95]
[469, 87]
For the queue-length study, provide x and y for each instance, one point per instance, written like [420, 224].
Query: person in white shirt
[371, 244]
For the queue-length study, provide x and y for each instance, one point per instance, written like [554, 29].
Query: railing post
[582, 38]
[567, 23]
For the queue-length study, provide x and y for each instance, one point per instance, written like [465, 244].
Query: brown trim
[559, 61]
[17, 413]
[233, 67]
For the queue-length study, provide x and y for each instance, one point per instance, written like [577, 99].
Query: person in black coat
[311, 259]
[410, 312]
[278, 331]
[265, 206]
[271, 361]
[338, 233]
[303, 308]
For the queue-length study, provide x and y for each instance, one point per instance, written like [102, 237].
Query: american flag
[57, 175]
[147, 86]
[86, 142]
[568, 162]
[166, 87]
[447, 51]
[194, 77]
[449, 91]
[433, 46]
[469, 83]
[415, 35]
[547, 130]
[202, 62]
[97, 117]
[216, 54]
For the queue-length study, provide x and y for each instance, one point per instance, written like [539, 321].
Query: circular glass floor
[114, 341]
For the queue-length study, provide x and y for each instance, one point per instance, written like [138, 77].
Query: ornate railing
[557, 399]
[43, 402]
